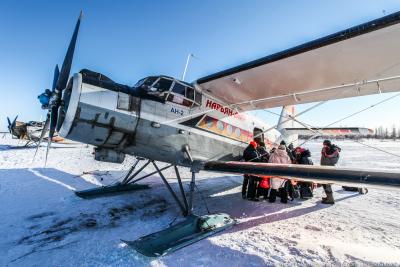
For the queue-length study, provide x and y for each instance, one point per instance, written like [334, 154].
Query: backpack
[265, 183]
[335, 147]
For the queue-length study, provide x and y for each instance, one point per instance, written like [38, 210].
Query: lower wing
[318, 174]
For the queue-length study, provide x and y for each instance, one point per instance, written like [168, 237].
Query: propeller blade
[44, 130]
[47, 151]
[53, 121]
[14, 122]
[9, 125]
[53, 124]
[55, 78]
[66, 66]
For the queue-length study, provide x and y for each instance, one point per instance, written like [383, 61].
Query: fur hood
[279, 156]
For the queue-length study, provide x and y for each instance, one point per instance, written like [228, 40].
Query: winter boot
[362, 190]
[272, 195]
[305, 192]
[328, 199]
[283, 195]
[244, 186]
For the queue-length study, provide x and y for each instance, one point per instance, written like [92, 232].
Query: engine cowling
[98, 116]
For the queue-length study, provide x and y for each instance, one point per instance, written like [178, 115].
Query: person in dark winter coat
[262, 150]
[329, 157]
[250, 182]
[288, 150]
[250, 153]
[302, 156]
[263, 185]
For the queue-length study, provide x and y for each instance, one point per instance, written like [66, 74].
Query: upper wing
[358, 61]
[319, 174]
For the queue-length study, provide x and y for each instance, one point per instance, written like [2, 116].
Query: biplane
[204, 125]
[28, 131]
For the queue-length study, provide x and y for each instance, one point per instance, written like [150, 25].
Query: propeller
[11, 125]
[51, 100]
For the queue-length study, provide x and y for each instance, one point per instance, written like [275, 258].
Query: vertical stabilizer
[285, 122]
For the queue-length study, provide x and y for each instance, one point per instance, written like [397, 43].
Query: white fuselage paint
[158, 130]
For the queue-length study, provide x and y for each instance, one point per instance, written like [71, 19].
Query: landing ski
[187, 232]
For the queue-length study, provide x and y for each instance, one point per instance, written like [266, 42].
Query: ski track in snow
[43, 223]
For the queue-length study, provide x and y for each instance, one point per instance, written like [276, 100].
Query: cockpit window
[197, 98]
[190, 93]
[162, 88]
[163, 84]
[185, 95]
[179, 88]
[139, 83]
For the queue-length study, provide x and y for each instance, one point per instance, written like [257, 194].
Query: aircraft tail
[285, 122]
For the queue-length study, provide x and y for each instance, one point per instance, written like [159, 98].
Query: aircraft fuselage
[118, 122]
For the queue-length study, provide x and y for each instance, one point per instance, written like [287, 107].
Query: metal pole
[127, 180]
[150, 174]
[170, 189]
[186, 66]
[181, 188]
[130, 171]
[192, 183]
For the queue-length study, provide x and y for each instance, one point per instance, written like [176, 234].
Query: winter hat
[327, 143]
[283, 143]
[253, 143]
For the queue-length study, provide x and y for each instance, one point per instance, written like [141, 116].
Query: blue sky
[127, 40]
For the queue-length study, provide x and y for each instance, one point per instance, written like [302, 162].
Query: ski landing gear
[193, 229]
[126, 185]
[189, 231]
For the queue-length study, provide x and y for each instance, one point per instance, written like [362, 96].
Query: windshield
[162, 88]
[146, 82]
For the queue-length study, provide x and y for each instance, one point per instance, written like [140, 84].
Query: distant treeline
[386, 133]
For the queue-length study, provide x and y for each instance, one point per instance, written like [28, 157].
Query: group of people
[255, 187]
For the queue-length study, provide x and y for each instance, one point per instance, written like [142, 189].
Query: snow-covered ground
[42, 222]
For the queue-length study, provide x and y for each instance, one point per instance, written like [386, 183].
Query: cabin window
[210, 123]
[237, 132]
[220, 125]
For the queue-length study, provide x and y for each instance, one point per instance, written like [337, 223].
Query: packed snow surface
[43, 223]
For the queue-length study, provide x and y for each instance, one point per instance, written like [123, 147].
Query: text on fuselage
[216, 106]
